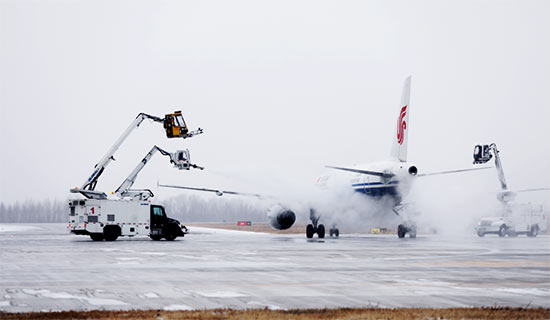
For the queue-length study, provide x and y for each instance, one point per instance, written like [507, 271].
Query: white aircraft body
[391, 180]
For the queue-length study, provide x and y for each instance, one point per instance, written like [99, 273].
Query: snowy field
[42, 267]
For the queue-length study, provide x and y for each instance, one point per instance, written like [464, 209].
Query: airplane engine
[413, 170]
[280, 217]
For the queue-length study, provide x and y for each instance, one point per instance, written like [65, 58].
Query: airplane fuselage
[395, 185]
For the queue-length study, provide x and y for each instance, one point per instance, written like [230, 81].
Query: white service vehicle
[132, 213]
[108, 219]
[513, 219]
[521, 219]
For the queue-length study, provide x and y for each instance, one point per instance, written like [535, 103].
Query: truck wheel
[534, 231]
[111, 233]
[480, 234]
[97, 236]
[170, 237]
[155, 237]
[502, 231]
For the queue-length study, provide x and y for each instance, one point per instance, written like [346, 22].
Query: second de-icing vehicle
[512, 219]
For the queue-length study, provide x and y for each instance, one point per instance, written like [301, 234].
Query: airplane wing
[509, 195]
[529, 190]
[217, 192]
[389, 175]
[451, 171]
[372, 173]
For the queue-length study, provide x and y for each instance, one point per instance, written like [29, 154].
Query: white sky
[281, 88]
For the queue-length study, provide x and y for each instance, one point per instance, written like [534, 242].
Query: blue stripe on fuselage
[378, 191]
[373, 184]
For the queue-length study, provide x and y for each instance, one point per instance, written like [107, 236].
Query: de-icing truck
[106, 219]
[130, 213]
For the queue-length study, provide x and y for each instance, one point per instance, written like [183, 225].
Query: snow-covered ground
[42, 267]
[16, 227]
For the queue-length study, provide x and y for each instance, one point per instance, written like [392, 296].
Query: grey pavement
[42, 267]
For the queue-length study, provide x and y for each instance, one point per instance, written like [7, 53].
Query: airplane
[390, 180]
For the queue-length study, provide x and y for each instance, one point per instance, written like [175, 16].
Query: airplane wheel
[534, 231]
[412, 232]
[309, 231]
[321, 231]
[480, 234]
[155, 237]
[336, 233]
[401, 231]
[502, 231]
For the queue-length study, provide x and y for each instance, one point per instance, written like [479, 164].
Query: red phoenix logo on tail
[401, 125]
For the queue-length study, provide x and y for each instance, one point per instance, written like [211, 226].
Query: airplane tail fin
[400, 139]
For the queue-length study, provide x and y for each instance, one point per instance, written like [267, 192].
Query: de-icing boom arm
[129, 181]
[180, 159]
[498, 165]
[91, 182]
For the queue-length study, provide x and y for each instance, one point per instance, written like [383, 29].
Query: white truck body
[515, 220]
[108, 219]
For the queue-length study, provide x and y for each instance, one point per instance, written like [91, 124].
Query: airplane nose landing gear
[314, 227]
[403, 229]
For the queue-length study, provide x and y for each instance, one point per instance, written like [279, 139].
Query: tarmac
[43, 268]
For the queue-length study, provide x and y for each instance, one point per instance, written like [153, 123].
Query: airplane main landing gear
[314, 227]
[311, 230]
[402, 230]
[334, 232]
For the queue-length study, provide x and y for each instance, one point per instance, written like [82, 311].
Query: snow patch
[175, 307]
[103, 302]
[151, 295]
[222, 294]
[33, 292]
[523, 291]
[5, 304]
[65, 295]
[223, 231]
[263, 305]
[59, 295]
[16, 228]
[129, 258]
[153, 253]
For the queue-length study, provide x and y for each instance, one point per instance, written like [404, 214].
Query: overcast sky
[281, 88]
